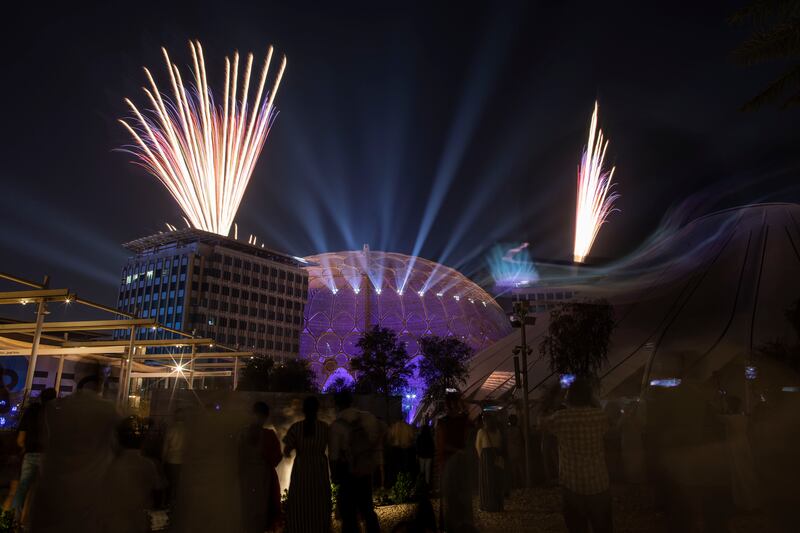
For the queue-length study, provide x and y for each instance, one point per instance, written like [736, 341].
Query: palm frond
[760, 12]
[779, 42]
[775, 92]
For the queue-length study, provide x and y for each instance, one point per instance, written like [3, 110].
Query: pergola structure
[86, 340]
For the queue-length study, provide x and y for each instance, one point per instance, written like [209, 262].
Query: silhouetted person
[454, 463]
[744, 483]
[776, 444]
[309, 503]
[253, 472]
[491, 465]
[552, 402]
[400, 441]
[271, 451]
[515, 454]
[354, 435]
[30, 437]
[130, 485]
[80, 435]
[691, 465]
[172, 455]
[632, 444]
[425, 451]
[209, 492]
[580, 430]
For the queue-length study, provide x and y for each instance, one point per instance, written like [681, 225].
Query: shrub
[404, 488]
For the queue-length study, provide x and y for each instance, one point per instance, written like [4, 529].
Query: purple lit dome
[349, 292]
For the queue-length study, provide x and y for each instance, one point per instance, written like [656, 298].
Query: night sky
[439, 129]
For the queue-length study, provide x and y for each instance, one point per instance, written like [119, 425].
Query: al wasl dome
[349, 292]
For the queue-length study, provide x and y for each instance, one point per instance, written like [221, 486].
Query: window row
[254, 297]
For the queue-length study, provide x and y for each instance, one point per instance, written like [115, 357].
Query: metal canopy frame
[130, 351]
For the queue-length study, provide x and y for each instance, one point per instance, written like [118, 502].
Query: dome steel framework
[352, 291]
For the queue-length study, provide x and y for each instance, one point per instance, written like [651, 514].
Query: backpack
[360, 451]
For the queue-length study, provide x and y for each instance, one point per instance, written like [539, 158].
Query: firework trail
[595, 197]
[202, 152]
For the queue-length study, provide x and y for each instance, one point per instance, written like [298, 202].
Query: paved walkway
[539, 510]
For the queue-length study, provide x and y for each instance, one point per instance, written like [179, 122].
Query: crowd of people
[85, 468]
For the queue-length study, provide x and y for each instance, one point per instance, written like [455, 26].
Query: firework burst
[204, 153]
[595, 196]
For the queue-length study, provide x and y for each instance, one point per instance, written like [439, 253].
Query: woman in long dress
[309, 503]
[489, 445]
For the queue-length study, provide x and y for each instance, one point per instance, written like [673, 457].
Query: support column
[37, 337]
[59, 373]
[235, 373]
[191, 366]
[125, 374]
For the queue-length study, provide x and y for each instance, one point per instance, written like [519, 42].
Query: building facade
[241, 295]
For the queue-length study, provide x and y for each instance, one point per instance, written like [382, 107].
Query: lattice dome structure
[349, 292]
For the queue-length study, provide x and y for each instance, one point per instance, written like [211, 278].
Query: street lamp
[520, 319]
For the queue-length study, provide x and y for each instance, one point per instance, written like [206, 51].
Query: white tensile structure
[697, 303]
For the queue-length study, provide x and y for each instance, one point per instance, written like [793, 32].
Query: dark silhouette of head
[580, 393]
[311, 407]
[452, 403]
[47, 395]
[261, 410]
[343, 400]
[734, 404]
[128, 433]
[490, 422]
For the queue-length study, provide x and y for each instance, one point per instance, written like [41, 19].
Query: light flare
[204, 153]
[596, 198]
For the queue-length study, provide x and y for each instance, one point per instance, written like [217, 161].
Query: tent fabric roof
[695, 298]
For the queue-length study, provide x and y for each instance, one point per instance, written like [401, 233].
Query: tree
[260, 373]
[382, 367]
[257, 372]
[775, 37]
[293, 375]
[444, 365]
[340, 384]
[578, 337]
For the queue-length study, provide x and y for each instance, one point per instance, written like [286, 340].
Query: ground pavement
[539, 510]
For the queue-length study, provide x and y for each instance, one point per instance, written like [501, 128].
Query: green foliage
[293, 375]
[256, 373]
[578, 337]
[334, 494]
[284, 500]
[261, 373]
[8, 523]
[444, 365]
[380, 496]
[340, 384]
[382, 367]
[404, 489]
[775, 38]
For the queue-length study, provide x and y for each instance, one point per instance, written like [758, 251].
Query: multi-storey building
[239, 294]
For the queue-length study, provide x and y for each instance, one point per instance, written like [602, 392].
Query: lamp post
[520, 319]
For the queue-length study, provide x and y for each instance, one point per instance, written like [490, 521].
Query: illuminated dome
[352, 291]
